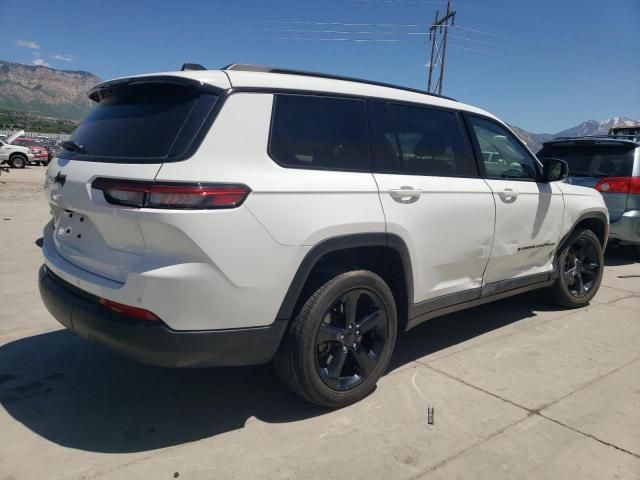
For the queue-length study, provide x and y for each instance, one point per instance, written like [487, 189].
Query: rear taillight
[128, 310]
[619, 185]
[132, 193]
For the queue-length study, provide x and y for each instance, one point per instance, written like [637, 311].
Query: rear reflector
[129, 311]
[199, 196]
[619, 185]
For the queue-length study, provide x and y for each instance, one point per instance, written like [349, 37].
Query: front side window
[316, 132]
[418, 141]
[503, 155]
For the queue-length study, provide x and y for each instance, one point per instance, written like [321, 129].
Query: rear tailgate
[137, 125]
[87, 231]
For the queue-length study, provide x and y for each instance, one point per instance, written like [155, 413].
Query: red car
[40, 153]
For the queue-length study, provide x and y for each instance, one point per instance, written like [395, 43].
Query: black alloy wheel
[351, 339]
[340, 342]
[581, 267]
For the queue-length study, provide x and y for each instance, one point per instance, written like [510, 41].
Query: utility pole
[438, 52]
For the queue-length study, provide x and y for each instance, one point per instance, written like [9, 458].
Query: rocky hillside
[45, 91]
[533, 140]
[594, 127]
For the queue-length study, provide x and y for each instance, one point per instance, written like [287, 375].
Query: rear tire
[18, 161]
[580, 266]
[341, 341]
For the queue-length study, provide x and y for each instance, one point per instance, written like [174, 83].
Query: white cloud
[28, 44]
[62, 56]
[40, 62]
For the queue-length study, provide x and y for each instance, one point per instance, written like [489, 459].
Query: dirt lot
[519, 390]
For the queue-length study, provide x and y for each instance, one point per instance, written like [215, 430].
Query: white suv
[232, 217]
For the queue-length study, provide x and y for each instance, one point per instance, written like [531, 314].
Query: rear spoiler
[102, 90]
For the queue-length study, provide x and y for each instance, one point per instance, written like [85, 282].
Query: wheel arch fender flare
[344, 242]
[593, 215]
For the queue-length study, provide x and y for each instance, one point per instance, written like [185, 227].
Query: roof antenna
[192, 66]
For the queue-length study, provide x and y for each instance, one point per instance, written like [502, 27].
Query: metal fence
[52, 136]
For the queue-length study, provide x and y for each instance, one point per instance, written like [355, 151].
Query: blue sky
[542, 65]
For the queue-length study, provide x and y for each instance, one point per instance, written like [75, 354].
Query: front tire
[18, 161]
[580, 267]
[340, 343]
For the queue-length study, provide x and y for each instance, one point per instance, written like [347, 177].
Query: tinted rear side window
[150, 122]
[420, 141]
[319, 133]
[593, 160]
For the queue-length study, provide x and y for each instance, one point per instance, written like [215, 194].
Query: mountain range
[591, 127]
[46, 92]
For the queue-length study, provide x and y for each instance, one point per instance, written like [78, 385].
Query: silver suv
[612, 166]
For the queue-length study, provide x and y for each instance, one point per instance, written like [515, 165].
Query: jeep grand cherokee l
[249, 214]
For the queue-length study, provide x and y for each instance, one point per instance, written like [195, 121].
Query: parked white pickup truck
[15, 155]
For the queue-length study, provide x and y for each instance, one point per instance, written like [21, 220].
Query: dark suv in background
[611, 165]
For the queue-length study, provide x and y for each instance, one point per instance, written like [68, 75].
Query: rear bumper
[154, 343]
[627, 228]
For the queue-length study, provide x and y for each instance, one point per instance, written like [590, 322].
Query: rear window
[143, 123]
[320, 133]
[593, 160]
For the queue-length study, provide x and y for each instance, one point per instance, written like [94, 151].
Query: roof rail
[265, 69]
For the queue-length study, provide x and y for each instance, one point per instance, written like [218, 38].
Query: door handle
[508, 195]
[405, 194]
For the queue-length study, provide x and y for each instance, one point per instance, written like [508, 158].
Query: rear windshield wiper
[72, 146]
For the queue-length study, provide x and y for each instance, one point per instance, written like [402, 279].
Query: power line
[495, 35]
[283, 22]
[482, 42]
[481, 51]
[458, 5]
[87, 24]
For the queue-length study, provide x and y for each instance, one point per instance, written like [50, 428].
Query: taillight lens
[137, 194]
[619, 185]
[128, 310]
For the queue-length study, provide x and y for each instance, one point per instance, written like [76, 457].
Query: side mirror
[554, 170]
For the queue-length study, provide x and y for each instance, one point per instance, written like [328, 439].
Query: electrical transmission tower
[439, 48]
